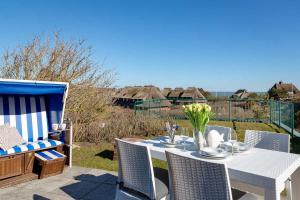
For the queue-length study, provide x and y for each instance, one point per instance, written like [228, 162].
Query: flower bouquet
[198, 114]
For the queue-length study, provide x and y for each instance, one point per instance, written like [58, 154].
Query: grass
[95, 156]
[239, 127]
[100, 156]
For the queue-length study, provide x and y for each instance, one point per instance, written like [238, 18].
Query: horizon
[216, 45]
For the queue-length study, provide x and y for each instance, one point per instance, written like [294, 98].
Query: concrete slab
[74, 183]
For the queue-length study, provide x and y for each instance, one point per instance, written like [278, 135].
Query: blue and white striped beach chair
[32, 107]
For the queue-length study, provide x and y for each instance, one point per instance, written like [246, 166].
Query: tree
[55, 59]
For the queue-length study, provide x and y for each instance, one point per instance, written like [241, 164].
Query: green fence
[250, 110]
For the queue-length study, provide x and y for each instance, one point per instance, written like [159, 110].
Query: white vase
[199, 140]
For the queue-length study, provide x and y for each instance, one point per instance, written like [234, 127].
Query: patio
[75, 183]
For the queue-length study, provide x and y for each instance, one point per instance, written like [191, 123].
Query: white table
[261, 168]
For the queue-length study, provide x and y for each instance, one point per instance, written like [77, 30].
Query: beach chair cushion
[30, 146]
[9, 137]
[27, 113]
[49, 155]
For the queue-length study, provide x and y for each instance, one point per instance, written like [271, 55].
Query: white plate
[201, 154]
[170, 145]
[212, 151]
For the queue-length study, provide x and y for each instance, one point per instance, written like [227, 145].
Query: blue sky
[217, 45]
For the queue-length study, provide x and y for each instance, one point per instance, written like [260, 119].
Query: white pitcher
[214, 138]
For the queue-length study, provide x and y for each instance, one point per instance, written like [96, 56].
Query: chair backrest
[221, 129]
[268, 140]
[197, 179]
[26, 113]
[135, 168]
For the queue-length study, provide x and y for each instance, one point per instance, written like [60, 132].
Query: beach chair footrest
[49, 163]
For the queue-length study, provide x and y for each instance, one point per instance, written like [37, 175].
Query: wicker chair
[221, 129]
[192, 179]
[268, 140]
[136, 178]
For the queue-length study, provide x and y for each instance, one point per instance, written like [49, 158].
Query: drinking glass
[184, 136]
[233, 140]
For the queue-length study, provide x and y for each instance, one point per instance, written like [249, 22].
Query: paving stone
[111, 180]
[104, 191]
[71, 173]
[95, 176]
[48, 184]
[74, 183]
[76, 189]
[8, 190]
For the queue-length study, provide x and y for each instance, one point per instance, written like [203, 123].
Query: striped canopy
[31, 106]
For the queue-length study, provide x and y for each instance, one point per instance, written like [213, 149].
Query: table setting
[261, 168]
[212, 146]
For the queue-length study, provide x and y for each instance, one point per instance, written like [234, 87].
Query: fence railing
[245, 110]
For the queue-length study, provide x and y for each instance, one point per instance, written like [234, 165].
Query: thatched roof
[166, 91]
[148, 92]
[176, 93]
[192, 93]
[288, 87]
[127, 92]
[205, 93]
[241, 94]
[140, 93]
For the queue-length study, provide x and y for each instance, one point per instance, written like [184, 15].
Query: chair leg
[288, 187]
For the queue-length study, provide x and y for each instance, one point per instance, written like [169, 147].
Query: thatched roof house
[166, 91]
[129, 95]
[148, 92]
[290, 90]
[241, 94]
[289, 87]
[126, 92]
[192, 93]
[176, 93]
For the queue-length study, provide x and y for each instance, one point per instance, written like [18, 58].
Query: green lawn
[100, 156]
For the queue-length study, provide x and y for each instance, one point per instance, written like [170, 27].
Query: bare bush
[54, 59]
[122, 123]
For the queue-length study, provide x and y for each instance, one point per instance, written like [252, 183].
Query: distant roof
[176, 93]
[166, 91]
[241, 94]
[193, 93]
[140, 93]
[190, 92]
[241, 91]
[286, 87]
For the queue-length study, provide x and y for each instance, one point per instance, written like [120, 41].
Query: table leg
[295, 181]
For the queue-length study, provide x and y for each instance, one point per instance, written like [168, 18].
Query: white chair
[136, 178]
[192, 179]
[270, 141]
